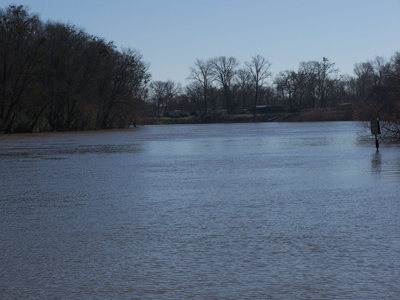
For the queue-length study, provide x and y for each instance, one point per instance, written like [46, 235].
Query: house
[178, 114]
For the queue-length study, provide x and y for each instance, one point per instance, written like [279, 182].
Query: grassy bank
[312, 115]
[318, 114]
[207, 119]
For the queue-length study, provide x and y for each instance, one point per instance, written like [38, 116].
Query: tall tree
[258, 69]
[172, 91]
[202, 74]
[55, 76]
[129, 79]
[223, 71]
[194, 92]
[20, 54]
[286, 86]
[392, 72]
[326, 79]
[383, 101]
[307, 73]
[72, 63]
[243, 80]
[158, 94]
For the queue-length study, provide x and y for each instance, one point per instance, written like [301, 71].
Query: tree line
[216, 84]
[56, 77]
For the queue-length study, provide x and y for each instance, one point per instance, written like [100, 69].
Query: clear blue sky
[171, 34]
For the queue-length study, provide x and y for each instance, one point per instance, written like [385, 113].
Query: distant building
[267, 109]
[178, 114]
[344, 106]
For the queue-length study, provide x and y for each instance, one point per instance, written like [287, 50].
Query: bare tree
[391, 110]
[307, 74]
[131, 78]
[258, 69]
[326, 79]
[55, 76]
[119, 87]
[20, 54]
[158, 94]
[223, 71]
[382, 81]
[172, 90]
[202, 74]
[194, 92]
[243, 80]
[286, 86]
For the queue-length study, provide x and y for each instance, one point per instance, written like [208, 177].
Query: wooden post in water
[375, 129]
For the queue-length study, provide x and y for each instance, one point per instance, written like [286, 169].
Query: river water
[219, 211]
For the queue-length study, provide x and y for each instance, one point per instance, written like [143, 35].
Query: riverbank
[311, 115]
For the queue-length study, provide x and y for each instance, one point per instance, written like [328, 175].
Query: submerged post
[376, 143]
[375, 129]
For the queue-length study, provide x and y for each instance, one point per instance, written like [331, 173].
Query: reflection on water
[220, 211]
[103, 149]
[56, 144]
[376, 162]
[386, 164]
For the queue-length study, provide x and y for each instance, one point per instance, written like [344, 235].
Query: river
[218, 211]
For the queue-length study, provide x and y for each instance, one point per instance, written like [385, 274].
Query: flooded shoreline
[266, 210]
